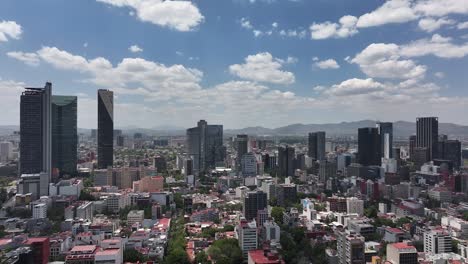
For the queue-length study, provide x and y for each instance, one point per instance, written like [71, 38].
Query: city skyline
[331, 62]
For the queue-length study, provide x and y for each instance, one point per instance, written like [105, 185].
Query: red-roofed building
[82, 254]
[394, 235]
[40, 247]
[263, 257]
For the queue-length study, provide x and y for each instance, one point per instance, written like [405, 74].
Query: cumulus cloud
[9, 30]
[31, 59]
[345, 28]
[327, 64]
[355, 87]
[431, 24]
[178, 15]
[440, 8]
[439, 46]
[135, 49]
[463, 25]
[262, 67]
[381, 60]
[392, 11]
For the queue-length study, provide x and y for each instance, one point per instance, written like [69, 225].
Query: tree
[3, 195]
[277, 214]
[370, 212]
[202, 258]
[178, 200]
[177, 256]
[86, 196]
[225, 251]
[131, 255]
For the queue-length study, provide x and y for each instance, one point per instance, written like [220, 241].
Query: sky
[240, 63]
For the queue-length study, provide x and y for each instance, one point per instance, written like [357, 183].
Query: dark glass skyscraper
[64, 134]
[386, 139]
[242, 147]
[369, 146]
[105, 128]
[254, 201]
[427, 134]
[317, 145]
[35, 130]
[205, 145]
[286, 156]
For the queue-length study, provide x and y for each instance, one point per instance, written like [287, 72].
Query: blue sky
[240, 62]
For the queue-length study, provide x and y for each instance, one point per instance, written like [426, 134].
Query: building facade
[105, 137]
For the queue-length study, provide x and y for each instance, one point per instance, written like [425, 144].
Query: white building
[249, 165]
[437, 241]
[308, 209]
[355, 206]
[85, 211]
[247, 235]
[72, 187]
[135, 216]
[36, 184]
[389, 165]
[39, 211]
[271, 232]
[383, 208]
[456, 227]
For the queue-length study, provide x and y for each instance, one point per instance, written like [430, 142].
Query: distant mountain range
[400, 128]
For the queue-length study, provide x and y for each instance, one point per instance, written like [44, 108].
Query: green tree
[225, 251]
[177, 256]
[202, 258]
[277, 214]
[85, 195]
[131, 255]
[371, 211]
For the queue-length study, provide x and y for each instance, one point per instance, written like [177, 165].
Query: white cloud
[439, 75]
[291, 60]
[392, 11]
[9, 29]
[262, 67]
[30, 59]
[245, 23]
[438, 46]
[381, 60]
[441, 8]
[354, 87]
[135, 49]
[178, 15]
[463, 25]
[274, 24]
[85, 45]
[430, 24]
[327, 64]
[345, 28]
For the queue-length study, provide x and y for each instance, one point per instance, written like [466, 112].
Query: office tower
[120, 141]
[412, 146]
[249, 165]
[254, 201]
[64, 134]
[437, 241]
[242, 142]
[350, 248]
[369, 146]
[205, 146]
[317, 145]
[450, 150]
[5, 151]
[327, 170]
[105, 132]
[35, 131]
[286, 161]
[420, 156]
[427, 134]
[402, 253]
[386, 139]
[286, 194]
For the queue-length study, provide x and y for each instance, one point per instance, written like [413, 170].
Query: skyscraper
[241, 142]
[369, 146]
[317, 145]
[35, 130]
[412, 146]
[427, 134]
[450, 150]
[105, 138]
[286, 161]
[254, 201]
[64, 134]
[205, 145]
[386, 139]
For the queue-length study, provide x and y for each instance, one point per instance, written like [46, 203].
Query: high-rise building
[369, 146]
[317, 145]
[450, 150]
[205, 146]
[350, 248]
[35, 130]
[254, 201]
[286, 156]
[247, 233]
[355, 206]
[286, 194]
[5, 151]
[437, 241]
[327, 170]
[412, 146]
[249, 165]
[39, 211]
[427, 134]
[64, 134]
[386, 139]
[105, 139]
[242, 147]
[402, 253]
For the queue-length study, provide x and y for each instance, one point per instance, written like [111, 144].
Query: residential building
[135, 216]
[437, 241]
[39, 211]
[41, 249]
[271, 231]
[247, 236]
[402, 253]
[350, 248]
[355, 206]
